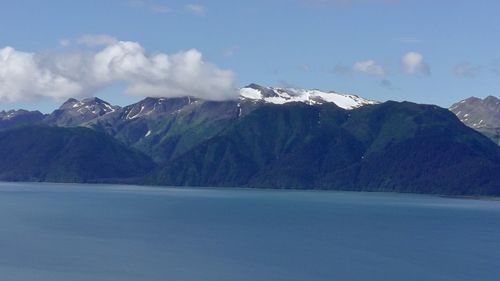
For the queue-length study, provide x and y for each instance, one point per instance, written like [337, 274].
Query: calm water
[52, 232]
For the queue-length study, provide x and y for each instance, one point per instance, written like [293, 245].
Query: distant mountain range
[480, 114]
[269, 137]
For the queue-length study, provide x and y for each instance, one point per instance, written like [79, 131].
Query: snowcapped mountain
[257, 93]
[249, 95]
[94, 110]
[168, 126]
[94, 106]
[75, 112]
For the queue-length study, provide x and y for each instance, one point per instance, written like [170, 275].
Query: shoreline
[214, 188]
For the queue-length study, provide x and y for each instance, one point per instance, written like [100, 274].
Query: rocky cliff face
[480, 114]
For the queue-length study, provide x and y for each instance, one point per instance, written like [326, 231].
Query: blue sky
[355, 46]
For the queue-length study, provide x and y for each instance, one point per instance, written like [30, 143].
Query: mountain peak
[69, 102]
[253, 86]
[276, 95]
[478, 113]
[93, 104]
[72, 100]
[491, 99]
[94, 100]
[75, 112]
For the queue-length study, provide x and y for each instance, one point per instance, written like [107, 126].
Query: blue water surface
[66, 232]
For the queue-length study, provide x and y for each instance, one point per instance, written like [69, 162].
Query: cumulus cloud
[22, 78]
[466, 69]
[196, 9]
[26, 76]
[369, 67]
[414, 63]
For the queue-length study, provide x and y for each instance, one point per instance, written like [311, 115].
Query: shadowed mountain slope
[392, 146]
[39, 153]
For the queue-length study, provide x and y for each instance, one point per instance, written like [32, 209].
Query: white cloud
[27, 76]
[369, 66]
[414, 63]
[96, 40]
[22, 78]
[196, 9]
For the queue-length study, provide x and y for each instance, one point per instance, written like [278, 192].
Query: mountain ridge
[323, 151]
[284, 138]
[277, 95]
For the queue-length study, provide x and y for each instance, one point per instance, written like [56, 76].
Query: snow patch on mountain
[478, 113]
[94, 106]
[250, 93]
[275, 95]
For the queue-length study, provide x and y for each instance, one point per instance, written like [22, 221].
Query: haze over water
[63, 232]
